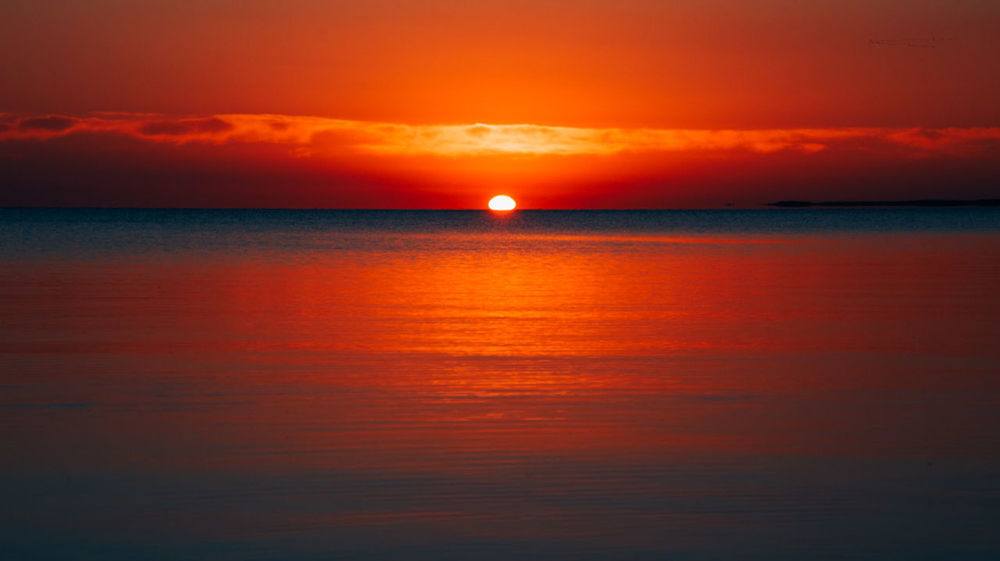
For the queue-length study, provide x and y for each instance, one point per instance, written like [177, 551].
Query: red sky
[586, 103]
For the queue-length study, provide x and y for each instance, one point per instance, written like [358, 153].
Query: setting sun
[502, 203]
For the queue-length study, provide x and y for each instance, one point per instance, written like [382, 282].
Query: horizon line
[782, 205]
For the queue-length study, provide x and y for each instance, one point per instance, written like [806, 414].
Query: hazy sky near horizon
[632, 103]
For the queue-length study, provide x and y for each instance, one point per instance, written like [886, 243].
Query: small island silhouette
[913, 203]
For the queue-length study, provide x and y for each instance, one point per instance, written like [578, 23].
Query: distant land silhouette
[918, 202]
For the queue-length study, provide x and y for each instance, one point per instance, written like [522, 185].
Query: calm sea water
[236, 385]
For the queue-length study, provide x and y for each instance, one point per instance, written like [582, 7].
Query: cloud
[318, 137]
[211, 125]
[51, 123]
[949, 139]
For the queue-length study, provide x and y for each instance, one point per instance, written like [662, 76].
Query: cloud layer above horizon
[122, 159]
[318, 136]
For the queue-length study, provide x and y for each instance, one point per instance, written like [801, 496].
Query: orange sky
[633, 103]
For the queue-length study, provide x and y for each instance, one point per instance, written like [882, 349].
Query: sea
[780, 384]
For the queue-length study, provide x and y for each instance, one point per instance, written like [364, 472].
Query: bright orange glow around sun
[502, 203]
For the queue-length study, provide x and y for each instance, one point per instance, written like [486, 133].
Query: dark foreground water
[241, 385]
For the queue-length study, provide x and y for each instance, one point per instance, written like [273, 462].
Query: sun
[502, 203]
